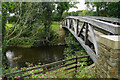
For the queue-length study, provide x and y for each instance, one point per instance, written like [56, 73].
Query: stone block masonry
[108, 61]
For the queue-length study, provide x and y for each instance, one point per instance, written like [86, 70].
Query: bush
[73, 47]
[21, 41]
[43, 37]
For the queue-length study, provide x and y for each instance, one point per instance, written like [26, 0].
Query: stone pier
[108, 62]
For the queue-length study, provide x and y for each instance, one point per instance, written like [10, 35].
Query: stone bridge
[100, 37]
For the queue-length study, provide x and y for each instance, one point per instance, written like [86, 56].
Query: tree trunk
[98, 11]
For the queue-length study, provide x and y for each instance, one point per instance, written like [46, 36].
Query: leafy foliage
[21, 41]
[73, 47]
[42, 38]
[87, 13]
[107, 9]
[65, 14]
[61, 8]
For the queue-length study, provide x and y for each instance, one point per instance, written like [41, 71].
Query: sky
[81, 6]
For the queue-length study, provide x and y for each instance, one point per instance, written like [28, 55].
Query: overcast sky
[81, 6]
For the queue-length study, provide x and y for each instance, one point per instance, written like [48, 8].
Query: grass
[10, 25]
[55, 26]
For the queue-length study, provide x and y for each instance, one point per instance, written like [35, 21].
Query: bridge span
[87, 30]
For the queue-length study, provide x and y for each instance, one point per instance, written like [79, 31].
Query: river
[21, 57]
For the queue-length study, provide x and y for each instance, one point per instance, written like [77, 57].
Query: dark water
[41, 55]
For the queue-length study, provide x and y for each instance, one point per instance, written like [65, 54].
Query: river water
[20, 57]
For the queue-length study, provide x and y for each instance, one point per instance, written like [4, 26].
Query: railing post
[70, 22]
[77, 27]
[66, 22]
[62, 23]
[86, 34]
[88, 63]
[5, 78]
[76, 63]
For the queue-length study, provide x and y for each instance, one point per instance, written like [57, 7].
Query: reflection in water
[10, 55]
[41, 55]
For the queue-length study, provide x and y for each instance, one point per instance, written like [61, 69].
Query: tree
[112, 9]
[73, 13]
[47, 17]
[31, 18]
[25, 13]
[64, 6]
[21, 25]
[107, 9]
[47, 14]
[6, 9]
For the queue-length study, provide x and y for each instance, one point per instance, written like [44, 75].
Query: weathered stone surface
[115, 51]
[110, 41]
[115, 56]
[107, 65]
[112, 68]
[108, 76]
[112, 60]
[111, 64]
[112, 73]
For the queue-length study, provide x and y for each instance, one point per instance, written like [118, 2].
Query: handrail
[112, 28]
[115, 20]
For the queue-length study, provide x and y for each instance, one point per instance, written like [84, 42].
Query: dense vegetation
[31, 21]
[73, 47]
[30, 24]
[35, 20]
[105, 9]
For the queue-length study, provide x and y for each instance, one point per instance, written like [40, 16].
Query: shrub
[73, 45]
[21, 41]
[43, 37]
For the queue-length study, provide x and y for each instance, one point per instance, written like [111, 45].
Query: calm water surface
[41, 55]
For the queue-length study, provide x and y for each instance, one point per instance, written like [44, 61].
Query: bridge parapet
[108, 63]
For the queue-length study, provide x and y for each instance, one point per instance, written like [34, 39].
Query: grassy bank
[56, 26]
